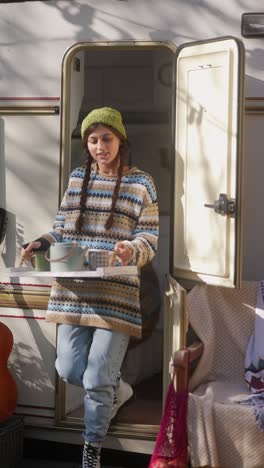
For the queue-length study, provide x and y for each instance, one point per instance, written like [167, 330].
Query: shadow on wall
[250, 81]
[30, 360]
[173, 20]
[84, 16]
[30, 371]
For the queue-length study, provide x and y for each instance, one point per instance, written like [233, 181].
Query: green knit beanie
[104, 115]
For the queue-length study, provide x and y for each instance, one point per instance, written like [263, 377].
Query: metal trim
[114, 431]
[124, 430]
[240, 162]
[60, 415]
[29, 110]
[29, 98]
[254, 106]
[19, 299]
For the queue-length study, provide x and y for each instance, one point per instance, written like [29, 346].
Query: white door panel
[207, 156]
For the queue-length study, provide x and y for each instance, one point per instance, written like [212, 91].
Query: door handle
[223, 206]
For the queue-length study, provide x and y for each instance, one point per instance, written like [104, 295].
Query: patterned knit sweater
[110, 303]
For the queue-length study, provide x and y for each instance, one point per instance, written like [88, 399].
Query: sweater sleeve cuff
[45, 244]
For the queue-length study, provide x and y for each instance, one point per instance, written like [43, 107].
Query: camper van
[188, 79]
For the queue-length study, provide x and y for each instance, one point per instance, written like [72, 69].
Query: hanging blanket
[220, 431]
[254, 362]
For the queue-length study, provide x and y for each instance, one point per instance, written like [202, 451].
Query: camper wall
[34, 37]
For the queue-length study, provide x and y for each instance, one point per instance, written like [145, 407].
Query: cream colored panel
[30, 165]
[175, 325]
[206, 171]
[32, 361]
[206, 161]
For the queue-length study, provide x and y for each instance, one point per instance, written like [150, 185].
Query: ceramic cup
[100, 258]
[39, 261]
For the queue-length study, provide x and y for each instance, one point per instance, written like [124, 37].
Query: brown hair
[123, 150]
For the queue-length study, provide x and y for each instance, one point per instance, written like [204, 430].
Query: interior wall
[253, 221]
[138, 83]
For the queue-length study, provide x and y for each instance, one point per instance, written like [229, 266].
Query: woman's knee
[100, 375]
[72, 352]
[105, 361]
[69, 371]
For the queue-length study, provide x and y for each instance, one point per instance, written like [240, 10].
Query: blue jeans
[92, 357]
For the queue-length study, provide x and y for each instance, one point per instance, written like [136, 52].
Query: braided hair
[123, 150]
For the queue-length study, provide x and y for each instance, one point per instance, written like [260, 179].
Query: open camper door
[206, 224]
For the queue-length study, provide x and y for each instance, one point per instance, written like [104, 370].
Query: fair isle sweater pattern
[111, 303]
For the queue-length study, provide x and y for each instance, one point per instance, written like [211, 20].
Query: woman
[108, 206]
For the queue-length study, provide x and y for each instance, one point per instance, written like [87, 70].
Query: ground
[43, 454]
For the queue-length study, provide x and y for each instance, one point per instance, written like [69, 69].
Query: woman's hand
[28, 253]
[124, 252]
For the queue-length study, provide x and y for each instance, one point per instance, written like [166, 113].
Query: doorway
[137, 79]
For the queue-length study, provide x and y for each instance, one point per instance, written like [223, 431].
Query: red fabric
[171, 448]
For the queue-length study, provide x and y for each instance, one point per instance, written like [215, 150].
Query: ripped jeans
[92, 357]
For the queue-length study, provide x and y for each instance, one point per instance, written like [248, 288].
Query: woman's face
[103, 146]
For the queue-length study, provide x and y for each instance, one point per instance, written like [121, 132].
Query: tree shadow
[30, 361]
